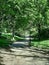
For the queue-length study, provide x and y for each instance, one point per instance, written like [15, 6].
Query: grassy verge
[41, 44]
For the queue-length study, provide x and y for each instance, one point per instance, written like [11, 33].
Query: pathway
[23, 56]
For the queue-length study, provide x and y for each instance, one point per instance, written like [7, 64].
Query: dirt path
[22, 56]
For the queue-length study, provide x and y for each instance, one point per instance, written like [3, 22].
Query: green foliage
[23, 14]
[4, 42]
[44, 34]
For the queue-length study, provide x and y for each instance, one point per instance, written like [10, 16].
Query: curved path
[23, 56]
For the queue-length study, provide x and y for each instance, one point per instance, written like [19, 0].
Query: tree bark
[30, 39]
[39, 29]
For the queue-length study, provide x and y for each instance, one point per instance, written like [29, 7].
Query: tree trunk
[13, 32]
[30, 39]
[39, 29]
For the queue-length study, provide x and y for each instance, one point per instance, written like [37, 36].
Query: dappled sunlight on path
[23, 56]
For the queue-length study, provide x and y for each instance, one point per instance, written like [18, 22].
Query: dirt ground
[23, 56]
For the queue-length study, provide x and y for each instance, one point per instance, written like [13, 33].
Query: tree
[23, 14]
[41, 16]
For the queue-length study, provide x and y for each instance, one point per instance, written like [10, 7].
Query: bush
[4, 41]
[44, 33]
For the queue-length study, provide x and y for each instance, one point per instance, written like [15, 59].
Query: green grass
[41, 44]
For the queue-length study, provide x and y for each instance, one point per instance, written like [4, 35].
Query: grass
[41, 44]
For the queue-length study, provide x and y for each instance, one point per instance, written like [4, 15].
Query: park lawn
[41, 44]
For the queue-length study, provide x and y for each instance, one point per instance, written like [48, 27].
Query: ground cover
[41, 44]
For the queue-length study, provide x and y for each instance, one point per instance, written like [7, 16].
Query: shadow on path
[19, 45]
